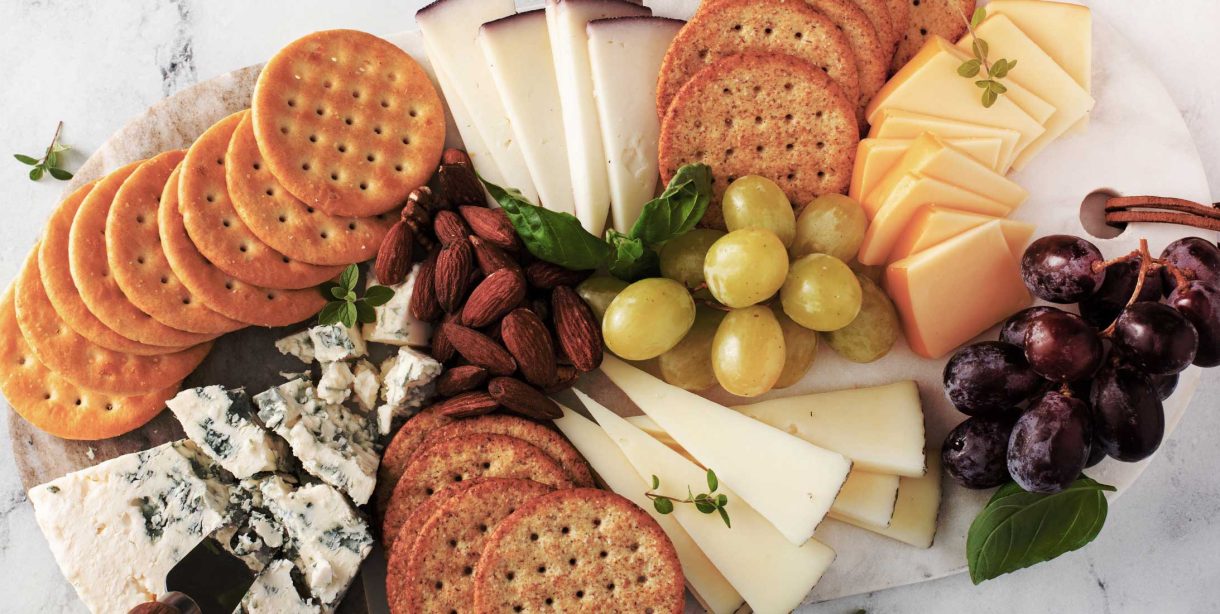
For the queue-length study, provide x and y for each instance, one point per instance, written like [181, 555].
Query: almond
[442, 350]
[394, 256]
[467, 405]
[455, 181]
[454, 265]
[528, 340]
[577, 329]
[495, 296]
[545, 276]
[521, 398]
[461, 379]
[479, 349]
[423, 295]
[449, 227]
[492, 258]
[492, 225]
[565, 376]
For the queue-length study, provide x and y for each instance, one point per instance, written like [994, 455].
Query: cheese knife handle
[172, 602]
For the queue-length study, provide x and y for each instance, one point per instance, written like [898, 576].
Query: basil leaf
[376, 296]
[630, 259]
[555, 237]
[1018, 529]
[27, 160]
[678, 209]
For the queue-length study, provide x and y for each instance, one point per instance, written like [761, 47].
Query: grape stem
[1146, 263]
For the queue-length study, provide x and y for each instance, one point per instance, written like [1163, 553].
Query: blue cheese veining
[222, 423]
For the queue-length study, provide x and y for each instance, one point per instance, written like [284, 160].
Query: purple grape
[1128, 419]
[990, 378]
[1050, 443]
[1156, 338]
[1096, 452]
[1164, 385]
[1199, 302]
[1013, 330]
[1115, 292]
[1062, 347]
[976, 452]
[1061, 268]
[1197, 258]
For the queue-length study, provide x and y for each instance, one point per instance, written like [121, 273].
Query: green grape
[800, 349]
[745, 267]
[821, 293]
[682, 258]
[756, 202]
[648, 318]
[871, 335]
[598, 291]
[689, 364]
[832, 224]
[748, 351]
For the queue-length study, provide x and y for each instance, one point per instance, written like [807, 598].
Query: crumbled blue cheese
[252, 533]
[299, 345]
[333, 342]
[394, 324]
[406, 385]
[274, 592]
[336, 382]
[366, 384]
[117, 528]
[222, 423]
[332, 443]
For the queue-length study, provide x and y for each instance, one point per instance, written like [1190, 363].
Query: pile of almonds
[510, 329]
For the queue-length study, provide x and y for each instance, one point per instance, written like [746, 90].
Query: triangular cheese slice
[917, 510]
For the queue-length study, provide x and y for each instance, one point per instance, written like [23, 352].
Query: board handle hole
[1093, 215]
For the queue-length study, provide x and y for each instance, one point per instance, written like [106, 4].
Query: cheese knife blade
[212, 576]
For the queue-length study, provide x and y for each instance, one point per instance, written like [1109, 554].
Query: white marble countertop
[96, 64]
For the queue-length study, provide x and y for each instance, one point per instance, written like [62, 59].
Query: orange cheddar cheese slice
[934, 224]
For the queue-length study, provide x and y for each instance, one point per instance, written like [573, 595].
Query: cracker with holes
[878, 13]
[216, 229]
[85, 364]
[57, 279]
[463, 458]
[579, 550]
[348, 122]
[55, 405]
[548, 440]
[900, 18]
[422, 514]
[762, 114]
[286, 224]
[435, 573]
[133, 249]
[90, 268]
[770, 26]
[944, 18]
[221, 292]
[401, 448]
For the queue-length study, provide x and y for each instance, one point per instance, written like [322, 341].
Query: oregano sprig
[708, 502]
[48, 164]
[345, 307]
[995, 71]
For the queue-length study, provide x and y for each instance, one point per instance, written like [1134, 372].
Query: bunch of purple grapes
[1059, 392]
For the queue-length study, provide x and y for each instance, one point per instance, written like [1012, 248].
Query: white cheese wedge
[788, 480]
[412, 41]
[518, 53]
[625, 54]
[917, 509]
[709, 586]
[451, 31]
[771, 573]
[566, 23]
[867, 497]
[880, 429]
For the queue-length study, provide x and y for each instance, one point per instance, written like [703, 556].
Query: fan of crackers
[139, 271]
[778, 88]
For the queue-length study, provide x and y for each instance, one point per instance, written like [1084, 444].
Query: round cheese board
[1136, 143]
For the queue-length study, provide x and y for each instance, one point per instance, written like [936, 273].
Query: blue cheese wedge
[117, 528]
[335, 385]
[366, 384]
[406, 385]
[333, 443]
[274, 592]
[252, 532]
[334, 342]
[299, 345]
[222, 423]
[394, 324]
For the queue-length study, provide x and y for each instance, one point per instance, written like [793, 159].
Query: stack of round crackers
[496, 513]
[140, 270]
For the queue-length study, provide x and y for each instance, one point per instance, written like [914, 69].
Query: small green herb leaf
[970, 68]
[997, 87]
[663, 506]
[36, 173]
[24, 159]
[337, 291]
[656, 482]
[345, 306]
[347, 314]
[349, 277]
[49, 163]
[1018, 529]
[364, 312]
[706, 503]
[724, 515]
[59, 173]
[678, 209]
[630, 259]
[979, 15]
[376, 296]
[1000, 69]
[980, 49]
[555, 237]
[712, 482]
[990, 98]
[330, 313]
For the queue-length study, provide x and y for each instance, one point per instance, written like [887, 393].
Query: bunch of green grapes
[745, 309]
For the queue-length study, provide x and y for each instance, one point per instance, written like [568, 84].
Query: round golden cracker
[420, 516]
[762, 114]
[579, 550]
[548, 440]
[57, 406]
[435, 573]
[133, 248]
[348, 122]
[57, 279]
[222, 292]
[730, 27]
[878, 13]
[401, 448]
[463, 458]
[285, 223]
[90, 267]
[216, 229]
[900, 18]
[85, 364]
[943, 18]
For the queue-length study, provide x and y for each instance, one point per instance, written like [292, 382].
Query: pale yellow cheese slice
[917, 509]
[899, 124]
[876, 157]
[934, 224]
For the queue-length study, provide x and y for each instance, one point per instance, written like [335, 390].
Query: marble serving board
[1137, 143]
